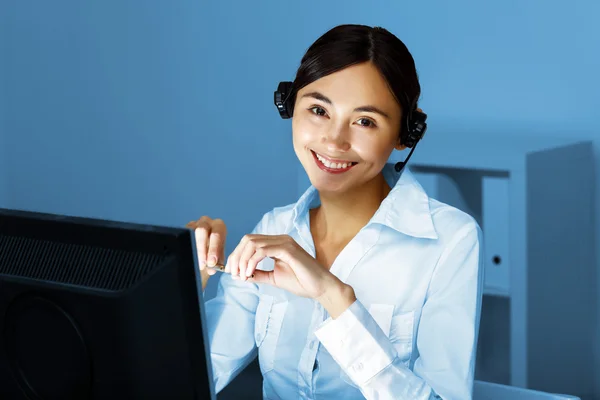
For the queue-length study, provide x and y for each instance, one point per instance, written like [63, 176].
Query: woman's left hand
[295, 270]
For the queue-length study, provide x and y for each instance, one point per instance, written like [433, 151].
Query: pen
[221, 267]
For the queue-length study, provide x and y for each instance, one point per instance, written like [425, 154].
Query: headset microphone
[415, 123]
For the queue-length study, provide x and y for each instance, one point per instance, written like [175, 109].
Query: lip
[332, 170]
[335, 160]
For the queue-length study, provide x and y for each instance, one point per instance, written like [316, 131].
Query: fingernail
[202, 264]
[212, 261]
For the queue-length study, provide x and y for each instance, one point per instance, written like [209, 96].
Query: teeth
[330, 164]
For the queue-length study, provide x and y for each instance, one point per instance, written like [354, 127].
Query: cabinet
[534, 200]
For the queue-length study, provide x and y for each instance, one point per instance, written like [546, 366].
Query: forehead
[356, 86]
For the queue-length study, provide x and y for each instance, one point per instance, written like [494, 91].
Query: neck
[341, 216]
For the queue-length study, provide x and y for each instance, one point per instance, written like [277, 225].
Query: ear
[399, 146]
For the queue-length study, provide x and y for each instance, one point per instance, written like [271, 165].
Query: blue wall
[161, 112]
[3, 160]
[133, 111]
[3, 149]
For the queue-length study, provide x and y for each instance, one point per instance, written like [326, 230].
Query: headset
[415, 126]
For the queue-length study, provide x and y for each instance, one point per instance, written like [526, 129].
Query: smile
[332, 166]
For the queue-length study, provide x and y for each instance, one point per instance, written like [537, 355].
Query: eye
[318, 111]
[366, 122]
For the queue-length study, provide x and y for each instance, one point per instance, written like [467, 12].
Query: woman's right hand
[210, 245]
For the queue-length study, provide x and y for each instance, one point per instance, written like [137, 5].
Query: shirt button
[311, 345]
[358, 366]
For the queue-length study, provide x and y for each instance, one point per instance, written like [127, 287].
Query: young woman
[365, 287]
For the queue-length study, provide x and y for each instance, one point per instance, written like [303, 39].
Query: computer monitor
[95, 309]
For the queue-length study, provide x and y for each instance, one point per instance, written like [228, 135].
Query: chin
[325, 184]
[323, 187]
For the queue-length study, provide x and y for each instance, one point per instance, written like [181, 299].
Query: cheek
[372, 149]
[303, 132]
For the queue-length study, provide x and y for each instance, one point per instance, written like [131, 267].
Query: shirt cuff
[357, 343]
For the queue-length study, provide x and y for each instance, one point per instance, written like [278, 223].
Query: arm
[230, 325]
[446, 340]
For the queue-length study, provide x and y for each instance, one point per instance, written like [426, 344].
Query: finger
[204, 220]
[254, 252]
[201, 233]
[214, 240]
[232, 265]
[245, 255]
[211, 271]
[207, 273]
[258, 256]
[218, 267]
[216, 243]
[260, 276]
[275, 246]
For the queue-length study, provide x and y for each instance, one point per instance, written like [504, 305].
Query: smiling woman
[365, 287]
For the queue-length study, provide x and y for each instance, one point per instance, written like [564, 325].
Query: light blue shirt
[417, 272]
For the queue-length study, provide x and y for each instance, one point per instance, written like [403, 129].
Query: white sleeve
[230, 325]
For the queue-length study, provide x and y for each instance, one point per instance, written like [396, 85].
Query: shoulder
[453, 225]
[277, 221]
[459, 255]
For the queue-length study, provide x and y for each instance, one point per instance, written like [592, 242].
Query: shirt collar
[405, 209]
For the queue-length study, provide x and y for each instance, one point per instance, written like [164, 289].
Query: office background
[160, 112]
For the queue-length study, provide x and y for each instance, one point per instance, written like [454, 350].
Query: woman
[365, 287]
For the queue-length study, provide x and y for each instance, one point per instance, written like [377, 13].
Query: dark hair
[347, 45]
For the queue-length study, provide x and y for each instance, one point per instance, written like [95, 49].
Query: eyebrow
[325, 99]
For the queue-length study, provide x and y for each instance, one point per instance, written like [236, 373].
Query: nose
[336, 139]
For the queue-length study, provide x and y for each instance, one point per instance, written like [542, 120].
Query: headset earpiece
[283, 100]
[415, 129]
